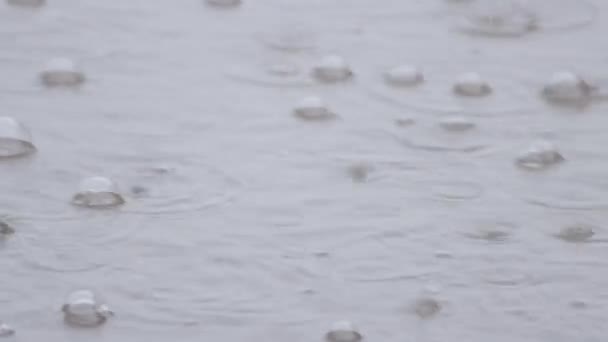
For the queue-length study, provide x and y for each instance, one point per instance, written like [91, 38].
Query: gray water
[254, 225]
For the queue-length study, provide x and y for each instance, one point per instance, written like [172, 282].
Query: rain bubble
[539, 155]
[404, 76]
[61, 72]
[15, 138]
[313, 109]
[566, 87]
[359, 172]
[331, 69]
[6, 330]
[84, 308]
[343, 331]
[6, 229]
[97, 192]
[224, 3]
[500, 19]
[471, 84]
[576, 233]
[456, 124]
[426, 307]
[26, 3]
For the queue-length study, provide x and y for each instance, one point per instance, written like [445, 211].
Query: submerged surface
[241, 221]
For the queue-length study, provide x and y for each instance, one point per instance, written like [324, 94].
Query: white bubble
[331, 69]
[61, 72]
[456, 124]
[539, 155]
[97, 192]
[84, 308]
[404, 76]
[224, 3]
[26, 3]
[471, 84]
[567, 87]
[313, 108]
[6, 330]
[15, 138]
[343, 331]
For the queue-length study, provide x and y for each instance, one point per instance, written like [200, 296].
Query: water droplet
[61, 72]
[85, 308]
[343, 331]
[6, 330]
[404, 76]
[426, 307]
[565, 87]
[27, 3]
[98, 192]
[576, 233]
[539, 155]
[313, 109]
[471, 84]
[332, 69]
[456, 124]
[15, 138]
[224, 3]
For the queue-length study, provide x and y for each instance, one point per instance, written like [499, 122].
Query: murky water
[286, 164]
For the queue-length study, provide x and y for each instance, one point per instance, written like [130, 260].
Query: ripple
[280, 74]
[516, 18]
[569, 194]
[576, 233]
[291, 39]
[27, 3]
[511, 93]
[456, 190]
[313, 108]
[491, 231]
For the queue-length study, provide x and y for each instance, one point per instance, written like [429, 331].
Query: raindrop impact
[85, 308]
[61, 72]
[404, 76]
[98, 192]
[471, 84]
[15, 138]
[343, 331]
[313, 109]
[540, 155]
[332, 69]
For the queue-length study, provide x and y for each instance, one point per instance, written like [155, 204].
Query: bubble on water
[6, 330]
[450, 135]
[6, 228]
[426, 307]
[15, 138]
[332, 69]
[224, 3]
[404, 76]
[313, 108]
[283, 74]
[360, 172]
[491, 231]
[27, 3]
[540, 155]
[343, 331]
[62, 72]
[98, 192]
[85, 308]
[576, 233]
[578, 304]
[456, 124]
[471, 84]
[288, 39]
[566, 87]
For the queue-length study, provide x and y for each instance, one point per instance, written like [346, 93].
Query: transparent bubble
[539, 155]
[566, 87]
[6, 330]
[26, 3]
[95, 192]
[471, 84]
[343, 331]
[15, 138]
[331, 69]
[224, 3]
[85, 308]
[61, 72]
[404, 76]
[313, 108]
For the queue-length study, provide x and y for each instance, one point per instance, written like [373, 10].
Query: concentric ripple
[283, 73]
[516, 18]
[569, 194]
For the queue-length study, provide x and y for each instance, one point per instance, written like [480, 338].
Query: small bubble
[98, 192]
[404, 76]
[565, 87]
[359, 172]
[539, 155]
[426, 307]
[15, 138]
[224, 3]
[471, 84]
[456, 124]
[332, 69]
[343, 331]
[405, 122]
[139, 190]
[6, 229]
[84, 308]
[312, 108]
[576, 233]
[61, 72]
[6, 330]
[26, 3]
